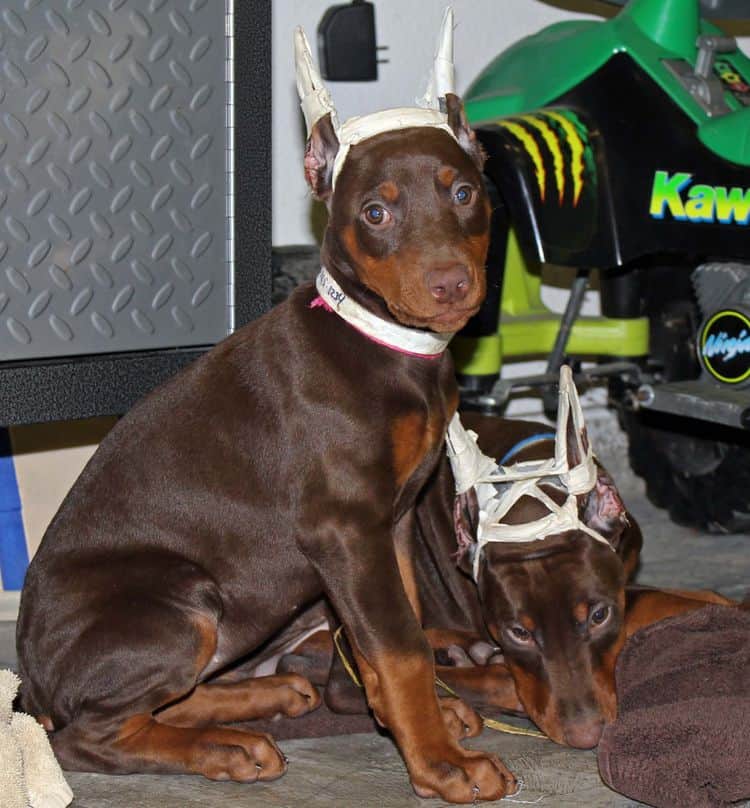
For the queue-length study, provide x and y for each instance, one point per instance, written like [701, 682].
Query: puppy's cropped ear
[466, 524]
[320, 152]
[604, 511]
[463, 132]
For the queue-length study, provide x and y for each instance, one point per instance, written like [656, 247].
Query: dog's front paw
[461, 720]
[462, 776]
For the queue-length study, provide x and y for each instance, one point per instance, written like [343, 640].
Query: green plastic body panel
[529, 337]
[528, 328]
[541, 68]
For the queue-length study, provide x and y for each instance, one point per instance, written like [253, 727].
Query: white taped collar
[411, 341]
[474, 469]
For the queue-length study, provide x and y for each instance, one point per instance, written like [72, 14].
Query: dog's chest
[415, 437]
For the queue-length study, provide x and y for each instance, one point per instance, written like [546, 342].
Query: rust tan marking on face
[380, 274]
[581, 612]
[446, 175]
[412, 437]
[388, 191]
[534, 695]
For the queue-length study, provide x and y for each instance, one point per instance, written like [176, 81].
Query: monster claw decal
[553, 144]
[576, 149]
[543, 135]
[531, 147]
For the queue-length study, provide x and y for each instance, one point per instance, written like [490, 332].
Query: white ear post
[442, 76]
[316, 101]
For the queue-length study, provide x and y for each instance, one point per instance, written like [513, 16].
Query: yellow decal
[553, 144]
[532, 149]
[576, 151]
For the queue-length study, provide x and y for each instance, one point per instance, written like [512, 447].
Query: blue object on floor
[14, 557]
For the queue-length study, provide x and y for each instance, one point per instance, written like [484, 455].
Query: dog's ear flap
[463, 132]
[604, 511]
[320, 152]
[466, 524]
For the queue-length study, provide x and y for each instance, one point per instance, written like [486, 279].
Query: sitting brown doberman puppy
[539, 630]
[283, 465]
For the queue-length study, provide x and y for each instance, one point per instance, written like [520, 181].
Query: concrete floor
[366, 770]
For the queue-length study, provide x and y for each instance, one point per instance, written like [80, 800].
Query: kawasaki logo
[675, 194]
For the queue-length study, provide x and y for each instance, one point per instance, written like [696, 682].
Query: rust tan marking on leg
[215, 752]
[651, 606]
[442, 638]
[207, 635]
[486, 684]
[400, 690]
[408, 578]
[412, 436]
[254, 698]
[404, 534]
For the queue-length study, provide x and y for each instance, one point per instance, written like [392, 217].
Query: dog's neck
[383, 330]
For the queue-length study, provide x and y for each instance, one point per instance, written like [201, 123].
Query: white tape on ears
[499, 488]
[316, 101]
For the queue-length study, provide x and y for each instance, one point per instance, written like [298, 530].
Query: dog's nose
[584, 734]
[449, 285]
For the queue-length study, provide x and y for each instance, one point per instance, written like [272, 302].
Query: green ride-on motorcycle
[623, 147]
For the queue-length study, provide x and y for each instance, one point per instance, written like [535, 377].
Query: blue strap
[522, 444]
[14, 557]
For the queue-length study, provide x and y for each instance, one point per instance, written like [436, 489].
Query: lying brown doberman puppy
[540, 632]
[558, 611]
[283, 465]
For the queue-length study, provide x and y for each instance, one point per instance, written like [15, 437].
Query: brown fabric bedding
[682, 737]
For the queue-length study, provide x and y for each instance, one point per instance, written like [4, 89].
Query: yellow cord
[342, 656]
[490, 723]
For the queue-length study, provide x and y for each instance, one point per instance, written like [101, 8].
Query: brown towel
[682, 737]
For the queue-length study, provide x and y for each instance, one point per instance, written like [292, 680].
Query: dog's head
[558, 614]
[556, 606]
[408, 211]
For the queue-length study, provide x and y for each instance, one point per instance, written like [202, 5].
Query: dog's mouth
[450, 321]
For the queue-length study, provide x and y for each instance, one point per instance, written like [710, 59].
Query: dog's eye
[376, 214]
[520, 634]
[600, 615]
[463, 195]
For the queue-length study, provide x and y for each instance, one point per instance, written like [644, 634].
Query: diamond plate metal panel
[113, 181]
